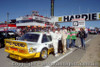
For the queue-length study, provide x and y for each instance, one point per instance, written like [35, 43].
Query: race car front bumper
[20, 56]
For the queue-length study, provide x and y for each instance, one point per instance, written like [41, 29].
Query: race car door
[47, 40]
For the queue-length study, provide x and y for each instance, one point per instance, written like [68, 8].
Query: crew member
[64, 36]
[60, 49]
[55, 41]
[68, 38]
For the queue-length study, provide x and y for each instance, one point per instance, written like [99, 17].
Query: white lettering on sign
[40, 18]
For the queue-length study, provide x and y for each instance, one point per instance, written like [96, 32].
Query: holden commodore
[30, 45]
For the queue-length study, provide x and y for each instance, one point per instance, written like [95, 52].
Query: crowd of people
[63, 38]
[66, 38]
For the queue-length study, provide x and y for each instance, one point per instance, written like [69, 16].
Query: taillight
[23, 51]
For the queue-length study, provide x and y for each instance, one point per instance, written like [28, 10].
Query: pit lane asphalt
[71, 56]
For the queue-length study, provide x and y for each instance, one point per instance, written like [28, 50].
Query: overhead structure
[52, 8]
[33, 20]
[87, 17]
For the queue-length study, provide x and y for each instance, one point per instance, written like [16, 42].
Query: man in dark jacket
[82, 36]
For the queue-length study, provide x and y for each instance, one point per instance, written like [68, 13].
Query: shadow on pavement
[25, 60]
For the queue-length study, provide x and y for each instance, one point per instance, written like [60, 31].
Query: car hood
[29, 44]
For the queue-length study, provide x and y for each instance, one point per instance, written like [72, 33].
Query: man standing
[60, 49]
[55, 41]
[64, 36]
[82, 36]
[68, 37]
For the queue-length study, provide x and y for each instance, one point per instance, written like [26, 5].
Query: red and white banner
[3, 27]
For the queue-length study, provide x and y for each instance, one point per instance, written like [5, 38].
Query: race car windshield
[30, 37]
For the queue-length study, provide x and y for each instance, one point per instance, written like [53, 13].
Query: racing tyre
[44, 54]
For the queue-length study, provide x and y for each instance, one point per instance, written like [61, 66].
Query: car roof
[37, 33]
[6, 31]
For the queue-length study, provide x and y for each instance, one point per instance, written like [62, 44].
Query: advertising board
[87, 17]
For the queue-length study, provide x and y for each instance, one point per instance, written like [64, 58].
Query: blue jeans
[82, 42]
[68, 42]
[73, 43]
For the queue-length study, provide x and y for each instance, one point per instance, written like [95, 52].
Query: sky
[17, 8]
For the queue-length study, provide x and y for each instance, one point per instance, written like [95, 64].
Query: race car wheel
[44, 54]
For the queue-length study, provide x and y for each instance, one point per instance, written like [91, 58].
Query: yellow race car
[30, 45]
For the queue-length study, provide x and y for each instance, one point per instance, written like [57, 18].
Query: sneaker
[71, 49]
[81, 47]
[56, 55]
[63, 53]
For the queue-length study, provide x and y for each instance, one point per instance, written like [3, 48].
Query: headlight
[6, 47]
[32, 49]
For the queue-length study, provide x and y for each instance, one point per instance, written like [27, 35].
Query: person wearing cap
[55, 41]
[64, 36]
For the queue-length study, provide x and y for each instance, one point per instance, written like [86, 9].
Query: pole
[79, 9]
[52, 11]
[7, 19]
[52, 8]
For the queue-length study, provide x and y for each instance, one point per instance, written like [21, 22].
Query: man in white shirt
[60, 49]
[55, 41]
[64, 36]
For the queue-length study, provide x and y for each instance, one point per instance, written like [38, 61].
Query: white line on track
[60, 58]
[52, 63]
[85, 42]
